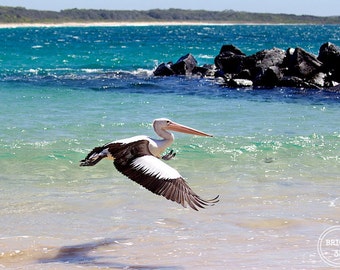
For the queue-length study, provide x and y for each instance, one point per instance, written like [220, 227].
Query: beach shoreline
[117, 24]
[103, 24]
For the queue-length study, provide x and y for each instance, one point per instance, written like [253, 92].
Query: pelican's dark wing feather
[136, 162]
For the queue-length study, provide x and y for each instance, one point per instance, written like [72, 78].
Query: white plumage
[154, 167]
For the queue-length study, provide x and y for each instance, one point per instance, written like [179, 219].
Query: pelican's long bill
[184, 129]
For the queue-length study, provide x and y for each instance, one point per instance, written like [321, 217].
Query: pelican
[139, 158]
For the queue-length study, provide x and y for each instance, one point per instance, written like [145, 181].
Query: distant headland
[20, 15]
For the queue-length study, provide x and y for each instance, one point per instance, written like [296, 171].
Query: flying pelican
[138, 158]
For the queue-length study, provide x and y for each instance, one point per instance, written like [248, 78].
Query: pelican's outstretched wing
[136, 162]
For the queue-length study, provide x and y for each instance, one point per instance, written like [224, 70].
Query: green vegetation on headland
[23, 15]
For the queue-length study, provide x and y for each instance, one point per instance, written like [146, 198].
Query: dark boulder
[231, 64]
[164, 70]
[230, 49]
[329, 55]
[267, 58]
[270, 77]
[302, 64]
[185, 65]
[265, 66]
[230, 59]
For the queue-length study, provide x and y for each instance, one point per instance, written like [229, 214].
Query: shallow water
[274, 161]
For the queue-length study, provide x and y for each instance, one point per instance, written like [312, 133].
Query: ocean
[274, 158]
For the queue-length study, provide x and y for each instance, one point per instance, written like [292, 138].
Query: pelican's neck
[161, 145]
[167, 136]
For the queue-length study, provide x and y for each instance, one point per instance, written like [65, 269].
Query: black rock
[329, 55]
[267, 58]
[185, 65]
[230, 49]
[302, 64]
[230, 59]
[271, 77]
[265, 67]
[164, 70]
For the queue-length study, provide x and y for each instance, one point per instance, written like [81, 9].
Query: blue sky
[306, 7]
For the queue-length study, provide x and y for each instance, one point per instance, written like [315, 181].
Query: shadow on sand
[85, 255]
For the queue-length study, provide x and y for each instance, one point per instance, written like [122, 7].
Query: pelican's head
[166, 124]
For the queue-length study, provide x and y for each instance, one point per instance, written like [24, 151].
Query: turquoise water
[274, 157]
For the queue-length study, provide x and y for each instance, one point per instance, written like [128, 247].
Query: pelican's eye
[168, 122]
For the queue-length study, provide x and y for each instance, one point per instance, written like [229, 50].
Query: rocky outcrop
[275, 67]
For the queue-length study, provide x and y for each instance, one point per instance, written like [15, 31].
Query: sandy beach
[114, 24]
[98, 24]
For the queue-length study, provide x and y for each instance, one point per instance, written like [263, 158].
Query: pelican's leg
[169, 155]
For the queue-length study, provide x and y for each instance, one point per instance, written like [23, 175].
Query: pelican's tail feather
[96, 155]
